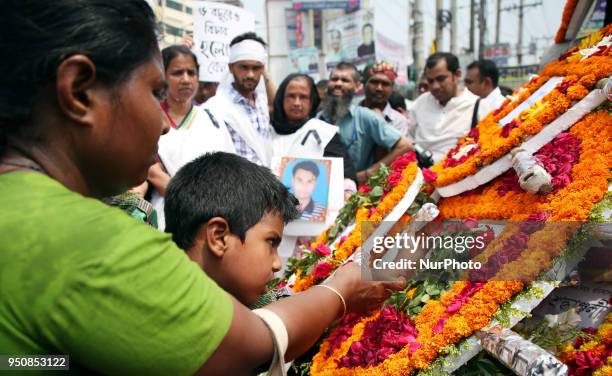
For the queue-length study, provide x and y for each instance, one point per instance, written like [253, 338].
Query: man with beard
[447, 112]
[378, 78]
[360, 128]
[245, 109]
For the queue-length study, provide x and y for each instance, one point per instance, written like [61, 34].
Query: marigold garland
[589, 183]
[473, 315]
[573, 202]
[580, 78]
[568, 12]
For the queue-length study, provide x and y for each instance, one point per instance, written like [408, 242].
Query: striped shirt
[314, 212]
[259, 119]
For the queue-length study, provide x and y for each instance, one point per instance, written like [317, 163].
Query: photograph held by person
[361, 129]
[298, 133]
[446, 112]
[115, 295]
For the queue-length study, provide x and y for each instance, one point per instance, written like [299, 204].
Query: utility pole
[482, 27]
[521, 7]
[497, 22]
[417, 37]
[472, 25]
[519, 47]
[453, 46]
[439, 26]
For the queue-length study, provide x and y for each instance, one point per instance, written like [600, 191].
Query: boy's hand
[362, 296]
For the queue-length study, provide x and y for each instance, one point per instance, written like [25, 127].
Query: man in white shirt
[378, 78]
[481, 79]
[447, 112]
[240, 104]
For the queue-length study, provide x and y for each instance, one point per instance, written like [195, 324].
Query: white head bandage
[248, 49]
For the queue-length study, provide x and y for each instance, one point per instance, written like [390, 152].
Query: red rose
[394, 178]
[322, 250]
[322, 270]
[364, 189]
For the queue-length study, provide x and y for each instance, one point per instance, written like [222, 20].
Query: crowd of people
[82, 126]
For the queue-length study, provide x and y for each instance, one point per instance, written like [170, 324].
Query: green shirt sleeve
[84, 279]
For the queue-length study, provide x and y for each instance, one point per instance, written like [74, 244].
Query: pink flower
[506, 129]
[563, 86]
[342, 239]
[322, 250]
[560, 181]
[538, 216]
[586, 363]
[384, 353]
[394, 178]
[470, 223]
[474, 133]
[404, 339]
[356, 347]
[429, 175]
[401, 162]
[414, 346]
[322, 270]
[440, 324]
[454, 306]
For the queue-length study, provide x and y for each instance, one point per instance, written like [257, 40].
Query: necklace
[185, 122]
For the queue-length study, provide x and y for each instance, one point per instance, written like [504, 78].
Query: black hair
[322, 84]
[452, 63]
[344, 65]
[309, 166]
[248, 35]
[396, 100]
[279, 118]
[171, 52]
[223, 185]
[486, 68]
[36, 36]
[367, 25]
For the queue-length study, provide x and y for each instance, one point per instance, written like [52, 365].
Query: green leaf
[377, 192]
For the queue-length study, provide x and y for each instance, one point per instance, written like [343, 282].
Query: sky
[540, 23]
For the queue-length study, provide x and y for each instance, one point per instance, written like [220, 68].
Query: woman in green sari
[80, 119]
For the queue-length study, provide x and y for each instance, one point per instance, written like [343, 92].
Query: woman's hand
[140, 190]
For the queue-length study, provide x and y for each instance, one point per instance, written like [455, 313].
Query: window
[174, 5]
[188, 10]
[173, 30]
